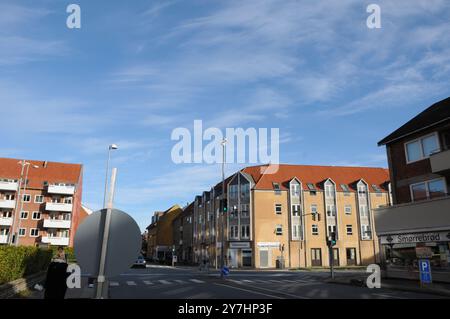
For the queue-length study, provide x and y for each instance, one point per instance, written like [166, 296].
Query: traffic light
[332, 239]
[223, 205]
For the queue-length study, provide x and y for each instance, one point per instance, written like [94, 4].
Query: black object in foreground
[55, 282]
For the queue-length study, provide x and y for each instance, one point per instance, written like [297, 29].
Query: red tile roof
[317, 175]
[51, 172]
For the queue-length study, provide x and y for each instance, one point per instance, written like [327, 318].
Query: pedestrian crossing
[198, 281]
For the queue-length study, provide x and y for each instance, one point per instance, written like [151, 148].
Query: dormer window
[345, 189]
[276, 187]
[311, 188]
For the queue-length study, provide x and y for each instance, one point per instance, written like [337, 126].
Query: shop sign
[239, 244]
[269, 244]
[415, 238]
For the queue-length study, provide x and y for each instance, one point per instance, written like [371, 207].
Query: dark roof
[433, 115]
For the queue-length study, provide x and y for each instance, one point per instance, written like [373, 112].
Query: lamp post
[23, 163]
[222, 246]
[111, 147]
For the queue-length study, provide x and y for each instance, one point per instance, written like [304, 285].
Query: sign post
[425, 271]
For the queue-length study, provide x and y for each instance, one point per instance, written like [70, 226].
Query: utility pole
[222, 214]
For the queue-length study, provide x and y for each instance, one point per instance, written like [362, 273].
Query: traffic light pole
[331, 258]
[222, 245]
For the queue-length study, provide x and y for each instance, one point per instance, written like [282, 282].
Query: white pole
[101, 281]
[106, 177]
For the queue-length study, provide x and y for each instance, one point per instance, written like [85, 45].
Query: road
[164, 282]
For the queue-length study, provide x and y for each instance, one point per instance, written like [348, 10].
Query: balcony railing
[416, 216]
[440, 161]
[56, 241]
[57, 223]
[7, 203]
[58, 207]
[3, 239]
[58, 189]
[6, 221]
[9, 186]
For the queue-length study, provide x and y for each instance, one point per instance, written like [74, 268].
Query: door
[316, 257]
[351, 256]
[335, 256]
[233, 258]
[264, 258]
[246, 258]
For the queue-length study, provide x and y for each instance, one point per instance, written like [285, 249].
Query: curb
[12, 288]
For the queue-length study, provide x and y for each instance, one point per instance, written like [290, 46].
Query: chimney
[45, 164]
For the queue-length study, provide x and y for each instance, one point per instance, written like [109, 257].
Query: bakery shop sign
[415, 238]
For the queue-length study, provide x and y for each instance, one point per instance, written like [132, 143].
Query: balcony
[58, 207]
[9, 186]
[63, 190]
[57, 223]
[418, 216]
[3, 239]
[440, 161]
[56, 241]
[6, 203]
[6, 221]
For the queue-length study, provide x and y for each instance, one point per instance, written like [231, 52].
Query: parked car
[140, 262]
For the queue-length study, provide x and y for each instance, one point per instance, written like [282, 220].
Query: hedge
[22, 261]
[70, 255]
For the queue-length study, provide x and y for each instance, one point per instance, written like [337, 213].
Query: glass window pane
[436, 188]
[430, 145]
[414, 152]
[419, 191]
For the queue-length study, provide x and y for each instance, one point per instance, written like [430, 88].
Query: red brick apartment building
[419, 221]
[48, 210]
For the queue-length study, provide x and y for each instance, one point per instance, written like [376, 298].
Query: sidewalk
[441, 289]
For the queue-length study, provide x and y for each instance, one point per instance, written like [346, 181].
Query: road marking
[197, 281]
[165, 282]
[275, 281]
[246, 280]
[180, 281]
[131, 283]
[114, 284]
[388, 296]
[147, 282]
[236, 281]
[251, 291]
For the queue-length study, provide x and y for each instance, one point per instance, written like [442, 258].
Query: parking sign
[425, 271]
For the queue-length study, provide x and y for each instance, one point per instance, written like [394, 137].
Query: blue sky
[137, 70]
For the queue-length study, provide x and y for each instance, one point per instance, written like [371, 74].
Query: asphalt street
[164, 282]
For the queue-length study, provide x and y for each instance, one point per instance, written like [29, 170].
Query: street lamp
[23, 164]
[222, 246]
[111, 147]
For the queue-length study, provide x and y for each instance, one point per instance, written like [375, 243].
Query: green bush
[22, 261]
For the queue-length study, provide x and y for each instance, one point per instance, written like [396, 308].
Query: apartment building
[160, 234]
[284, 219]
[418, 224]
[48, 210]
[182, 234]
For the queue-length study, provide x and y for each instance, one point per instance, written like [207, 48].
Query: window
[331, 210]
[64, 234]
[295, 210]
[68, 200]
[36, 215]
[24, 215]
[365, 232]
[295, 190]
[278, 209]
[313, 209]
[311, 188]
[34, 232]
[245, 231]
[296, 231]
[345, 189]
[349, 229]
[277, 188]
[429, 189]
[65, 216]
[10, 196]
[26, 198]
[348, 209]
[39, 199]
[421, 148]
[314, 229]
[234, 232]
[22, 232]
[329, 189]
[244, 210]
[279, 230]
[331, 229]
[363, 211]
